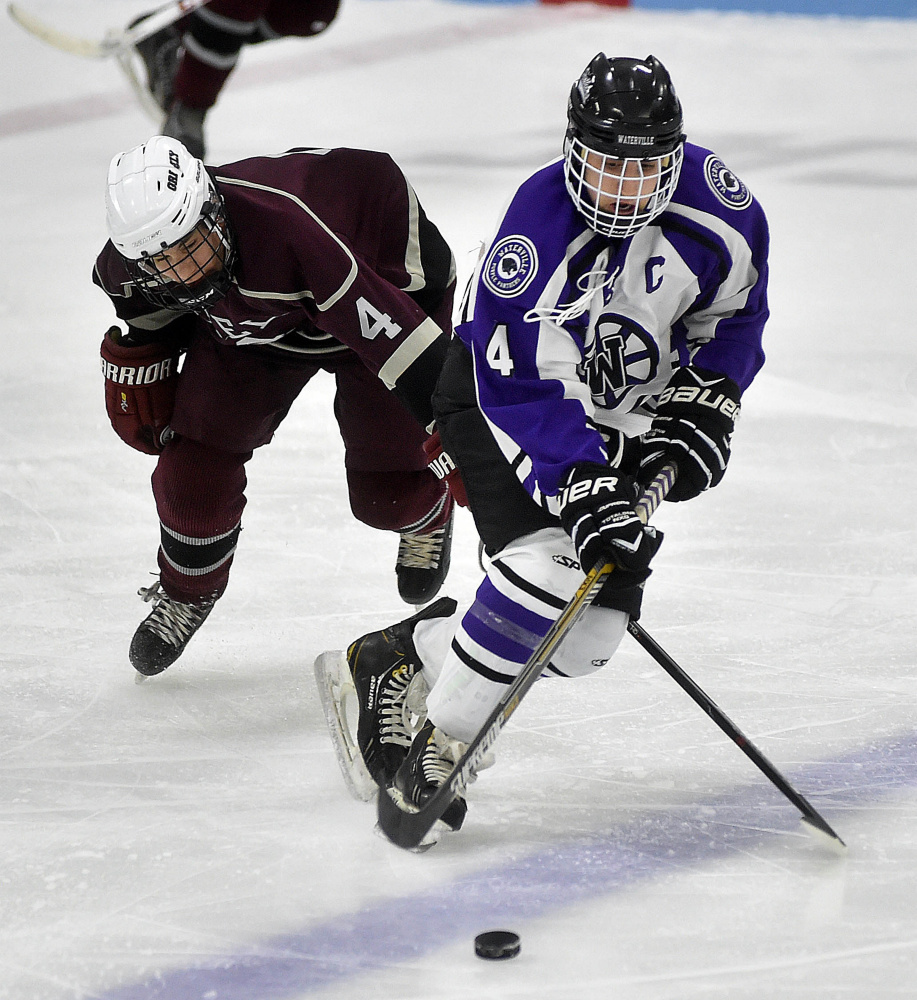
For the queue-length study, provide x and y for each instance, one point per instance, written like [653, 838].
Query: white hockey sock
[432, 639]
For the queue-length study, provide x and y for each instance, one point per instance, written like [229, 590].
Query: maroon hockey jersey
[335, 253]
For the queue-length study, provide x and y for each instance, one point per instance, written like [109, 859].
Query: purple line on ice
[401, 930]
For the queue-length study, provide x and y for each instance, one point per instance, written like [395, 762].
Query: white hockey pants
[469, 660]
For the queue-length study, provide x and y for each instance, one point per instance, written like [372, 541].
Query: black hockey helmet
[624, 145]
[625, 107]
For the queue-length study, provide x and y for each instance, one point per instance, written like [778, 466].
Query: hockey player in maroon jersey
[187, 63]
[261, 273]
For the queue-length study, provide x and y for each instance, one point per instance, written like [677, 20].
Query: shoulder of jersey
[707, 174]
[533, 228]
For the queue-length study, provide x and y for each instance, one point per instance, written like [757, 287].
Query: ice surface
[192, 837]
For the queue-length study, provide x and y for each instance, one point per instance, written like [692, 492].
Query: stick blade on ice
[824, 835]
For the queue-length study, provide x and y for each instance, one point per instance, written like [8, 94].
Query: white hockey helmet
[155, 196]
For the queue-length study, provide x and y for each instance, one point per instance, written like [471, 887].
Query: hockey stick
[119, 45]
[810, 816]
[407, 827]
[114, 43]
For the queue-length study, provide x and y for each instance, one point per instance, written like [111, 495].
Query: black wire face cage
[195, 272]
[619, 195]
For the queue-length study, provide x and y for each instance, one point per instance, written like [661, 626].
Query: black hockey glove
[597, 512]
[693, 427]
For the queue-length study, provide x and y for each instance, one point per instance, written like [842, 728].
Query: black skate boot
[161, 54]
[187, 125]
[423, 562]
[427, 766]
[162, 636]
[383, 665]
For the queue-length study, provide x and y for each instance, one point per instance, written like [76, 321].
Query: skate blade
[339, 704]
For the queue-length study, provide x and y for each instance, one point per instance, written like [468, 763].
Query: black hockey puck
[497, 945]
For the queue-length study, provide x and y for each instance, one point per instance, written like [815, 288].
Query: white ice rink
[191, 838]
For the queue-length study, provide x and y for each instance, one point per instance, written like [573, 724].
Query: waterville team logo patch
[725, 185]
[511, 266]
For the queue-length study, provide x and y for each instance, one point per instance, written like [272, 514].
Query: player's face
[620, 187]
[190, 261]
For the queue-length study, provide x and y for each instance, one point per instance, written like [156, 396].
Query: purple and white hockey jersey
[572, 332]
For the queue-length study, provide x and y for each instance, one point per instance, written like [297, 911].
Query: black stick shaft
[709, 706]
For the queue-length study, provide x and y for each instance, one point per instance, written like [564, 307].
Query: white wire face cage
[619, 195]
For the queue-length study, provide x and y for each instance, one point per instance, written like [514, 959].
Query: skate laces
[416, 700]
[171, 620]
[421, 551]
[439, 757]
[442, 753]
[402, 707]
[392, 711]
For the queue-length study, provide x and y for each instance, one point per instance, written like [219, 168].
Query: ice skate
[162, 636]
[339, 704]
[373, 698]
[423, 562]
[187, 126]
[427, 766]
[160, 55]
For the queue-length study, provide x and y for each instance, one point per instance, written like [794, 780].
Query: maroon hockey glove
[693, 427]
[443, 467]
[140, 387]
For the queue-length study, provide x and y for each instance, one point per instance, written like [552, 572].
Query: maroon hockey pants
[230, 401]
[215, 34]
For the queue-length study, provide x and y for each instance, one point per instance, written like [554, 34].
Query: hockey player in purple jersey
[614, 322]
[261, 273]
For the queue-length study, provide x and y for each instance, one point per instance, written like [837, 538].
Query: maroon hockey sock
[197, 85]
[200, 499]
